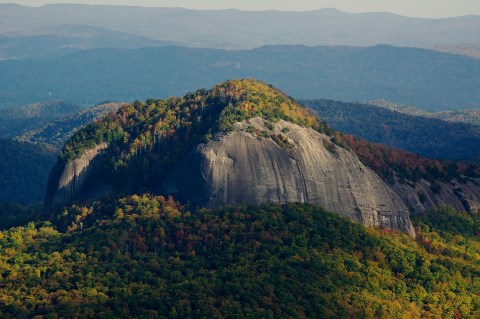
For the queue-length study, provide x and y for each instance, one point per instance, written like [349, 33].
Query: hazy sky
[418, 8]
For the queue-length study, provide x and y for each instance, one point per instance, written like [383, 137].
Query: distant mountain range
[56, 41]
[428, 79]
[235, 29]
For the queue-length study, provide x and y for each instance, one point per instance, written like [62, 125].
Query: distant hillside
[24, 169]
[235, 29]
[55, 41]
[427, 136]
[56, 133]
[472, 50]
[14, 121]
[429, 79]
[460, 116]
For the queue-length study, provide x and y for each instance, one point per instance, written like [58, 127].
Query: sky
[413, 8]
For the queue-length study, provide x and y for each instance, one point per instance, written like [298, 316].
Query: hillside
[24, 169]
[55, 133]
[457, 116]
[472, 49]
[146, 256]
[427, 79]
[14, 121]
[436, 135]
[235, 29]
[55, 41]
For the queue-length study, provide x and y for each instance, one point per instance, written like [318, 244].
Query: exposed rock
[68, 180]
[422, 196]
[243, 168]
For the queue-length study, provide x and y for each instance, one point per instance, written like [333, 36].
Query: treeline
[146, 256]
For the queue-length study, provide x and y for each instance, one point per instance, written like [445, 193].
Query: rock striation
[242, 168]
[426, 195]
[68, 180]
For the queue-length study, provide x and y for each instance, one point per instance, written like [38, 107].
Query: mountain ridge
[428, 79]
[233, 29]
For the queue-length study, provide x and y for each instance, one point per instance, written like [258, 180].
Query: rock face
[243, 168]
[68, 180]
[423, 196]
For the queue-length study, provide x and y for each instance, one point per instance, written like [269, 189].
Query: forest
[149, 256]
[24, 169]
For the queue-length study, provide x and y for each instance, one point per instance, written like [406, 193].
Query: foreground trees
[146, 256]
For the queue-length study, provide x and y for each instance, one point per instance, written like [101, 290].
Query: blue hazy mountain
[427, 79]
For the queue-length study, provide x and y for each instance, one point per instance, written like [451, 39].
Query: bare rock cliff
[423, 195]
[245, 168]
[68, 180]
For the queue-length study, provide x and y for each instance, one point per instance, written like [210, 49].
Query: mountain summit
[242, 142]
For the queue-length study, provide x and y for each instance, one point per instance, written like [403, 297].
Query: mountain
[14, 121]
[59, 40]
[24, 169]
[425, 133]
[235, 29]
[171, 147]
[242, 142]
[150, 257]
[428, 79]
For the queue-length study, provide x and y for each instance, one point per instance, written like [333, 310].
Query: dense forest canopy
[147, 256]
[24, 169]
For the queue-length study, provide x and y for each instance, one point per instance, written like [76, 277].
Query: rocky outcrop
[424, 195]
[245, 168]
[68, 180]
